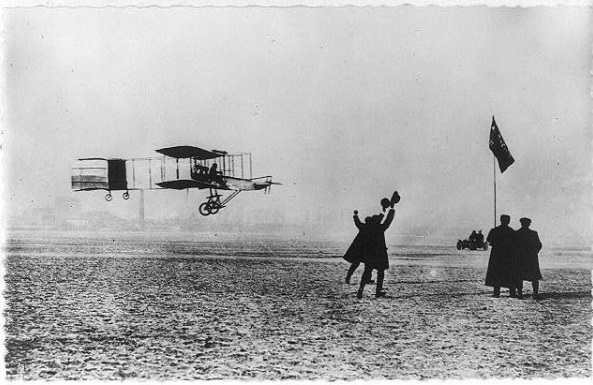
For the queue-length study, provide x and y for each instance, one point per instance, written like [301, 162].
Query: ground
[99, 310]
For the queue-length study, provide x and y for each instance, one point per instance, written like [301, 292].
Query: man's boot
[379, 289]
[360, 291]
[535, 285]
[366, 277]
[496, 292]
[513, 292]
[351, 271]
[361, 288]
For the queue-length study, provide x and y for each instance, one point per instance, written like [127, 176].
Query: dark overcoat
[528, 245]
[503, 268]
[356, 252]
[377, 249]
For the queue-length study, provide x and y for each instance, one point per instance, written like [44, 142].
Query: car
[472, 245]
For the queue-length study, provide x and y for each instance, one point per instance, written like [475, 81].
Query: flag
[499, 148]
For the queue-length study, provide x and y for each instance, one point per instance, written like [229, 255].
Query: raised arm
[385, 225]
[357, 221]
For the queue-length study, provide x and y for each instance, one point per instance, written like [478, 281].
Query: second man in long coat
[502, 265]
[528, 246]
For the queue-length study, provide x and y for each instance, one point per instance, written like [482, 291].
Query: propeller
[265, 185]
[269, 186]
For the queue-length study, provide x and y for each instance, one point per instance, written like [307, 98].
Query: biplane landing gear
[126, 195]
[108, 197]
[214, 207]
[208, 208]
[204, 209]
[213, 204]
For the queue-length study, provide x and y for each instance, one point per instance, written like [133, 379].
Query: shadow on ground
[564, 295]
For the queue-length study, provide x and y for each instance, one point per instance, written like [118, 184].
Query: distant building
[42, 217]
[76, 223]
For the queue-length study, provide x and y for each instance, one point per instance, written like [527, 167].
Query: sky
[341, 105]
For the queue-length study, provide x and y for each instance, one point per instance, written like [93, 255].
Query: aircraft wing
[182, 184]
[100, 159]
[189, 152]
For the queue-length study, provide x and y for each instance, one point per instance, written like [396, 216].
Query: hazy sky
[341, 105]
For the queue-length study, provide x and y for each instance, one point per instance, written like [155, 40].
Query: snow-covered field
[166, 308]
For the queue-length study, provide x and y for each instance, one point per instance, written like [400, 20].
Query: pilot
[213, 171]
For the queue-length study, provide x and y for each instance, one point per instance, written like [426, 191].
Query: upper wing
[190, 152]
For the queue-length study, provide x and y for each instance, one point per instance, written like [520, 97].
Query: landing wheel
[108, 197]
[126, 195]
[205, 209]
[214, 208]
[459, 244]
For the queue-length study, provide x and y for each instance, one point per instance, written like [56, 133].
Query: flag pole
[494, 164]
[501, 153]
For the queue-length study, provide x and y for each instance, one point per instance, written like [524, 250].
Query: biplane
[179, 168]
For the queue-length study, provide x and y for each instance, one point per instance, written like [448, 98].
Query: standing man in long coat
[377, 251]
[356, 252]
[502, 266]
[528, 245]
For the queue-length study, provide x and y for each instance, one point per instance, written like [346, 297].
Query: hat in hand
[395, 198]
